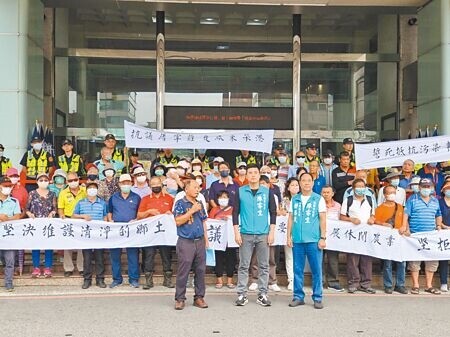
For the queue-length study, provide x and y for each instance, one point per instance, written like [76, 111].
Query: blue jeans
[314, 255]
[443, 271]
[133, 264]
[9, 256]
[36, 257]
[387, 273]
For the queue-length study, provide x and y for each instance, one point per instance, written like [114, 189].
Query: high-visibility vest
[117, 155]
[173, 161]
[5, 164]
[73, 166]
[205, 163]
[36, 166]
[251, 159]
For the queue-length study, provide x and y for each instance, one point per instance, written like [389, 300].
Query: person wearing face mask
[169, 158]
[393, 179]
[422, 214]
[42, 204]
[282, 171]
[277, 152]
[300, 159]
[159, 170]
[154, 204]
[432, 172]
[197, 165]
[59, 182]
[18, 191]
[414, 187]
[357, 209]
[109, 185]
[246, 157]
[133, 162]
[69, 161]
[36, 161]
[241, 174]
[92, 208]
[67, 200]
[123, 207]
[227, 258]
[444, 204]
[92, 174]
[204, 160]
[390, 214]
[5, 163]
[369, 193]
[200, 179]
[140, 186]
[9, 210]
[327, 166]
[225, 183]
[215, 174]
[106, 158]
[267, 171]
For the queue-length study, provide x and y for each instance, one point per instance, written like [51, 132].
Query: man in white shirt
[393, 178]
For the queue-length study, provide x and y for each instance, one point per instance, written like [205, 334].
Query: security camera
[412, 21]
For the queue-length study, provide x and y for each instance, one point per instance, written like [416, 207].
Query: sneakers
[263, 301]
[444, 288]
[115, 284]
[36, 273]
[401, 290]
[367, 290]
[86, 284]
[290, 286]
[318, 305]
[253, 286]
[241, 301]
[336, 288]
[296, 302]
[47, 272]
[9, 288]
[274, 287]
[388, 290]
[352, 290]
[134, 284]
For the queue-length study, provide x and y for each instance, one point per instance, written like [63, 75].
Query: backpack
[350, 202]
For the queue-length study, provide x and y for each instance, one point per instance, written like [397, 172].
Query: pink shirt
[333, 211]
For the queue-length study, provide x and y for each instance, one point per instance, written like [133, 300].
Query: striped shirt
[97, 210]
[422, 215]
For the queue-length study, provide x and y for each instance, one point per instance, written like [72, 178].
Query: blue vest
[306, 220]
[254, 210]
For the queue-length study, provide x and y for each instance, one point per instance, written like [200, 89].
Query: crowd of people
[308, 189]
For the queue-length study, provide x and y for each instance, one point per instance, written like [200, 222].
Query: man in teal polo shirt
[307, 225]
[9, 210]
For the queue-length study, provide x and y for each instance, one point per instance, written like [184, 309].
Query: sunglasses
[72, 180]
[140, 174]
[42, 180]
[301, 156]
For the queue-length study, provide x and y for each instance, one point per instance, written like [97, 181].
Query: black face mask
[157, 189]
[92, 177]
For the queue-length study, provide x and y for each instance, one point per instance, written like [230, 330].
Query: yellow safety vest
[173, 161]
[117, 155]
[250, 160]
[5, 164]
[205, 163]
[36, 166]
[74, 164]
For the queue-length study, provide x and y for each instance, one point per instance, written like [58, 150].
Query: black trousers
[97, 256]
[148, 256]
[225, 259]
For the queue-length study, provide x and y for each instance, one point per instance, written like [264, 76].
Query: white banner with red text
[386, 243]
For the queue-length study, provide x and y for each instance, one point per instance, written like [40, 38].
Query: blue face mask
[360, 191]
[125, 188]
[425, 192]
[224, 173]
[447, 193]
[395, 182]
[172, 191]
[59, 180]
[415, 188]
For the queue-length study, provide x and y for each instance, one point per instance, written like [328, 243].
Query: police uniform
[171, 160]
[251, 159]
[5, 164]
[205, 163]
[36, 163]
[71, 164]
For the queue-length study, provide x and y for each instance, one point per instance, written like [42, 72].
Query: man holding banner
[306, 234]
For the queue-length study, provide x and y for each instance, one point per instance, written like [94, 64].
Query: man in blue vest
[307, 226]
[254, 206]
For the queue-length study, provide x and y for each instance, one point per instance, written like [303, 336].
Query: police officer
[69, 161]
[245, 157]
[5, 163]
[116, 154]
[169, 158]
[36, 161]
[348, 146]
[278, 151]
[133, 161]
[311, 154]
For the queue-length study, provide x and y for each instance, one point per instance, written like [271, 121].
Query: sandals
[231, 286]
[219, 285]
[415, 291]
[433, 291]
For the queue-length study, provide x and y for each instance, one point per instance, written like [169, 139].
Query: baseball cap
[36, 139]
[241, 164]
[5, 180]
[279, 147]
[218, 160]
[311, 146]
[124, 177]
[110, 136]
[67, 142]
[41, 175]
[347, 141]
[414, 181]
[12, 171]
[425, 182]
[108, 166]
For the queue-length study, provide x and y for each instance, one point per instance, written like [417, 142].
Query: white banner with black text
[388, 154]
[255, 140]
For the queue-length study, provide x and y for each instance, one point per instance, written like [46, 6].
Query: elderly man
[393, 179]
[422, 214]
[67, 200]
[190, 217]
[300, 160]
[106, 160]
[123, 207]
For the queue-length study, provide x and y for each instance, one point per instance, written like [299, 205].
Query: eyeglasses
[72, 180]
[143, 174]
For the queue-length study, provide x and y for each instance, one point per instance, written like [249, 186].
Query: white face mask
[266, 174]
[301, 161]
[180, 171]
[327, 160]
[196, 168]
[37, 146]
[1, 153]
[282, 159]
[6, 190]
[108, 173]
[273, 173]
[74, 184]
[42, 184]
[141, 179]
[395, 182]
[92, 192]
[14, 180]
[223, 202]
[242, 172]
[390, 197]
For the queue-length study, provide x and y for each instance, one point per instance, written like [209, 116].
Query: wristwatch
[323, 238]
